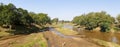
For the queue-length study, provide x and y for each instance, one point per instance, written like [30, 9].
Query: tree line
[93, 20]
[12, 16]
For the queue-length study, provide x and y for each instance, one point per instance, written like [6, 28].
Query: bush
[105, 27]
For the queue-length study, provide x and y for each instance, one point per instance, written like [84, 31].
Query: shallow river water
[111, 37]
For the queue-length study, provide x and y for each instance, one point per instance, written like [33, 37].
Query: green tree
[95, 19]
[7, 14]
[40, 18]
[25, 17]
[10, 15]
[118, 18]
[55, 20]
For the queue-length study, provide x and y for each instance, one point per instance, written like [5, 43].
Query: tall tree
[10, 15]
[55, 20]
[40, 18]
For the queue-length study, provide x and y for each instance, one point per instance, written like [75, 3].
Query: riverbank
[58, 41]
[103, 43]
[32, 40]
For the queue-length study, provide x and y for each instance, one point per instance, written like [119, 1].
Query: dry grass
[3, 33]
[105, 43]
[29, 40]
[32, 40]
[66, 31]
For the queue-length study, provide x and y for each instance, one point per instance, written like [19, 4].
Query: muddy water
[111, 37]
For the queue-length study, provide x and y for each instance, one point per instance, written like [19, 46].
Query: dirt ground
[9, 41]
[57, 41]
[31, 40]
[53, 40]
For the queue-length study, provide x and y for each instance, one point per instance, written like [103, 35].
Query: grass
[29, 40]
[105, 43]
[3, 33]
[35, 39]
[116, 29]
[66, 31]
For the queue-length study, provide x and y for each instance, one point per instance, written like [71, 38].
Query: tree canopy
[10, 15]
[95, 19]
[40, 18]
[55, 20]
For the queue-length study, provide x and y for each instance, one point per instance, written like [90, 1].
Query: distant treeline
[93, 20]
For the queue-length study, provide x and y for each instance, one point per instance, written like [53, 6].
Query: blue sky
[67, 9]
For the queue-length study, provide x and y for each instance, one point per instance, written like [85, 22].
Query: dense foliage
[118, 18]
[95, 19]
[55, 20]
[40, 18]
[11, 16]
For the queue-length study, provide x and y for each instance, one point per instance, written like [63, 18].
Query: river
[110, 37]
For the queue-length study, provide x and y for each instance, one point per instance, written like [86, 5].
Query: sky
[67, 9]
